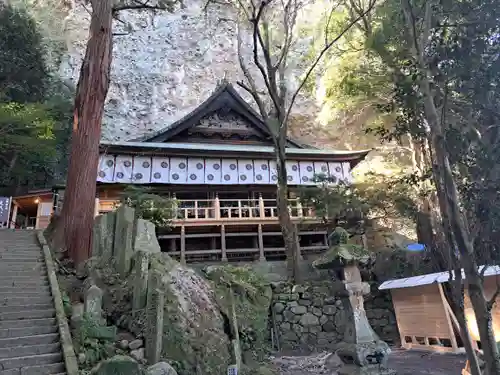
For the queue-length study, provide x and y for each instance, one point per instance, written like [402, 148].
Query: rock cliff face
[164, 64]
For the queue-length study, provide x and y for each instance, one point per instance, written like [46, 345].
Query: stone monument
[361, 352]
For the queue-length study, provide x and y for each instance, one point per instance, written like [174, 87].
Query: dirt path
[403, 361]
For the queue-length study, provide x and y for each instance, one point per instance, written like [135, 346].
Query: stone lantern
[361, 351]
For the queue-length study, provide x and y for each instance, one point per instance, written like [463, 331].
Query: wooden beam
[223, 242]
[183, 245]
[453, 338]
[261, 243]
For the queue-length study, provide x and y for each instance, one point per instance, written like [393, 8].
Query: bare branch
[252, 88]
[320, 56]
[493, 299]
[146, 4]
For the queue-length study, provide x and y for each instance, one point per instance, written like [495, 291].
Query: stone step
[28, 314]
[36, 273]
[20, 323]
[26, 289]
[21, 251]
[35, 360]
[28, 350]
[48, 369]
[20, 300]
[14, 260]
[13, 266]
[27, 331]
[31, 255]
[20, 308]
[51, 338]
[22, 281]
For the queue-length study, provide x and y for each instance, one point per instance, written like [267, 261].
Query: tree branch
[320, 56]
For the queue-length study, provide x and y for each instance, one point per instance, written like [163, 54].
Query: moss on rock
[252, 298]
[118, 365]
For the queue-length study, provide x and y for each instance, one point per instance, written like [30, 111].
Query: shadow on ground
[413, 362]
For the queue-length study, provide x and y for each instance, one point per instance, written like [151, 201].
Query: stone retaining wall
[311, 317]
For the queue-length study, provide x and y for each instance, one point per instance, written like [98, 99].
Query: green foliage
[94, 340]
[34, 111]
[23, 74]
[252, 295]
[148, 206]
[354, 207]
[68, 309]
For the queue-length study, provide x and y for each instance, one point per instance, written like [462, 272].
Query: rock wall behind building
[310, 317]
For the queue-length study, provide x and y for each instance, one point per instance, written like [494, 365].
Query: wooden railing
[239, 209]
[229, 209]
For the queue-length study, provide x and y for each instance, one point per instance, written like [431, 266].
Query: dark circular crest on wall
[199, 166]
[127, 163]
[309, 168]
[157, 175]
[305, 179]
[227, 177]
[243, 177]
[295, 168]
[249, 167]
[110, 163]
[324, 168]
[192, 176]
[175, 176]
[182, 165]
[258, 177]
[146, 164]
[337, 169]
[138, 176]
[274, 178]
[102, 174]
[210, 177]
[216, 166]
[119, 175]
[164, 164]
[232, 166]
[264, 167]
[289, 178]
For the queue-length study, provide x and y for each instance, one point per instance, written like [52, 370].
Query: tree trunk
[450, 204]
[290, 235]
[78, 208]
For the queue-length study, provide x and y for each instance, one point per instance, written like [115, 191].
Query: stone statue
[362, 352]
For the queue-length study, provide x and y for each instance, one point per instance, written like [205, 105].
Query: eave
[224, 150]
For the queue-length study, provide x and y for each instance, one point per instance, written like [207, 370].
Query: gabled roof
[225, 97]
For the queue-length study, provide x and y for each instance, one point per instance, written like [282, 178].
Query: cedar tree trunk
[79, 200]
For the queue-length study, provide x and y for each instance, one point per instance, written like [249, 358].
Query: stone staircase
[29, 336]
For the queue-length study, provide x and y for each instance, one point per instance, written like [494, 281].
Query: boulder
[118, 365]
[161, 368]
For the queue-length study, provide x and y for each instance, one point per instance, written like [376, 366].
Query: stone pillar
[145, 237]
[361, 351]
[93, 303]
[141, 275]
[154, 326]
[124, 232]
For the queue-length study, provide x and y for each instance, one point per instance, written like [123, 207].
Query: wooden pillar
[326, 239]
[173, 244]
[262, 256]
[38, 210]
[217, 206]
[223, 242]
[13, 217]
[261, 206]
[454, 344]
[213, 243]
[96, 207]
[183, 245]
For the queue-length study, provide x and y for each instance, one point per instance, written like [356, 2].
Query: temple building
[218, 163]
